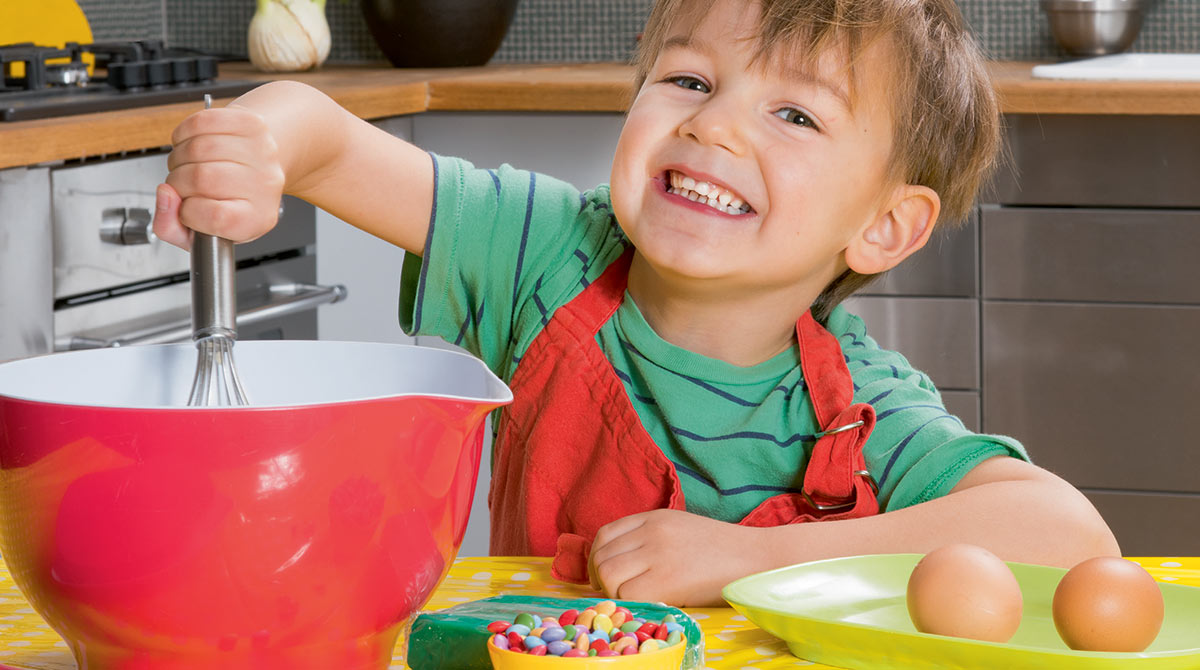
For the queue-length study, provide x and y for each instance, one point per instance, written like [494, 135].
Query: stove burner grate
[55, 82]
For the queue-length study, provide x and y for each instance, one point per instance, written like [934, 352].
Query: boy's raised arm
[229, 167]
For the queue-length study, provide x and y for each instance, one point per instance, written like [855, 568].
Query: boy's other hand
[225, 178]
[672, 556]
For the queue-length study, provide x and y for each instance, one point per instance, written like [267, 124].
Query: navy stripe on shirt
[537, 301]
[587, 265]
[524, 237]
[428, 243]
[745, 435]
[904, 443]
[698, 382]
[881, 396]
[893, 410]
[629, 388]
[471, 319]
[731, 491]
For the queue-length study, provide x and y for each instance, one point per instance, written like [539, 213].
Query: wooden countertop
[375, 92]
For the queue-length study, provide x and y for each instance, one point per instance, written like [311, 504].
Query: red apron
[572, 454]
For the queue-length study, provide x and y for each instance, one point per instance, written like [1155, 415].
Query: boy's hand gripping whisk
[214, 320]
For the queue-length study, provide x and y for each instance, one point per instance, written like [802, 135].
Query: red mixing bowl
[300, 532]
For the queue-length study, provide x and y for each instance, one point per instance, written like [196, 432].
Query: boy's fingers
[223, 121]
[612, 530]
[592, 579]
[612, 539]
[219, 148]
[166, 218]
[616, 561]
[619, 570]
[224, 180]
[231, 219]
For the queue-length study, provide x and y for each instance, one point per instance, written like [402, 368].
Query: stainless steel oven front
[111, 282]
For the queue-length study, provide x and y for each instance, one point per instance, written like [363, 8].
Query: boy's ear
[901, 228]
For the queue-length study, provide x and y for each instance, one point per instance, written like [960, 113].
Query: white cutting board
[1138, 67]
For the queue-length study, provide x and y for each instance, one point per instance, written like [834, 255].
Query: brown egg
[1108, 604]
[964, 591]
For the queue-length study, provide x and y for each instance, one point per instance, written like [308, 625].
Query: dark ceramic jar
[438, 33]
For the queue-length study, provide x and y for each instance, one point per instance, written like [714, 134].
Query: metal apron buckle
[858, 473]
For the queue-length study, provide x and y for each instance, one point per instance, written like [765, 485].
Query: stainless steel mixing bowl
[1094, 27]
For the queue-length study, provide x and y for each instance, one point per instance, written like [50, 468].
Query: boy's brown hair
[946, 120]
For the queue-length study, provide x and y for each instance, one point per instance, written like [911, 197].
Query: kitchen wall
[585, 30]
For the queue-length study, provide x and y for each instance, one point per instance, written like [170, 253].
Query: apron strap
[596, 305]
[836, 468]
[825, 373]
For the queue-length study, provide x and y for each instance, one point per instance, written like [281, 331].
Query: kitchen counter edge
[375, 91]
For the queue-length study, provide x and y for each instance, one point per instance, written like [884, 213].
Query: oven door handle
[286, 299]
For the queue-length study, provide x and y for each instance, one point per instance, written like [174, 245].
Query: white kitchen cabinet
[576, 147]
[368, 267]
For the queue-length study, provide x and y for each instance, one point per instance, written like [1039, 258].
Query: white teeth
[710, 194]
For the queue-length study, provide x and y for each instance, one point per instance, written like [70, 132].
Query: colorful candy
[605, 629]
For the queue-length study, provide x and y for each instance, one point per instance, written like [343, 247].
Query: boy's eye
[690, 83]
[796, 116]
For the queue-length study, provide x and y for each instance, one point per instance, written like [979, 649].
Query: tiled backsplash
[585, 30]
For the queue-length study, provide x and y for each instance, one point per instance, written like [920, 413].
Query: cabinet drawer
[1100, 394]
[1104, 160]
[1122, 255]
[939, 336]
[947, 266]
[1150, 524]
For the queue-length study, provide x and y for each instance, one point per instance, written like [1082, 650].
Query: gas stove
[56, 82]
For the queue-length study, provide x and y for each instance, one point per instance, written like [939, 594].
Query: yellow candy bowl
[670, 658]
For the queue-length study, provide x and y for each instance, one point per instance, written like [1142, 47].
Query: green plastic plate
[851, 613]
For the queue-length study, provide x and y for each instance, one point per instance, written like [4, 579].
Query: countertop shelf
[373, 92]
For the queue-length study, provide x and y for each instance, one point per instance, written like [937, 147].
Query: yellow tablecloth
[730, 640]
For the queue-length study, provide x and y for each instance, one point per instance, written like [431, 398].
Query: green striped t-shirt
[507, 247]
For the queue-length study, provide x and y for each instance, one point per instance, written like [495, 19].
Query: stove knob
[127, 226]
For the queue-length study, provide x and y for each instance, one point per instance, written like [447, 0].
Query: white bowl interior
[274, 373]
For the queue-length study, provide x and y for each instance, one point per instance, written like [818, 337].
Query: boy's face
[797, 172]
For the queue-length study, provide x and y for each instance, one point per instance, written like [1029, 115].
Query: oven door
[276, 300]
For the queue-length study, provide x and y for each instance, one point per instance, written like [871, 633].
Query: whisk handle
[214, 303]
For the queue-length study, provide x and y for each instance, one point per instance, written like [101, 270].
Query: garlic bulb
[288, 35]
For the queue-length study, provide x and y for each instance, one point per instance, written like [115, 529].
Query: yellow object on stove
[46, 23]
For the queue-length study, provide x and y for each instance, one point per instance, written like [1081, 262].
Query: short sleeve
[505, 248]
[918, 451]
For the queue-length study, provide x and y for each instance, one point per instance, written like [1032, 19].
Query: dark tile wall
[585, 30]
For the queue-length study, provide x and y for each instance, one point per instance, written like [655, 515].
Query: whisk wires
[216, 381]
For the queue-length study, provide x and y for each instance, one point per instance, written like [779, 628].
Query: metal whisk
[214, 320]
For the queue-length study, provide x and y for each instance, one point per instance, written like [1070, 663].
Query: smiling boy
[687, 392]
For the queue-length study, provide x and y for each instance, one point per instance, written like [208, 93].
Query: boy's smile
[705, 193]
[740, 178]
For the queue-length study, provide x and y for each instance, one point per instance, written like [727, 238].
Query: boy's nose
[715, 124]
